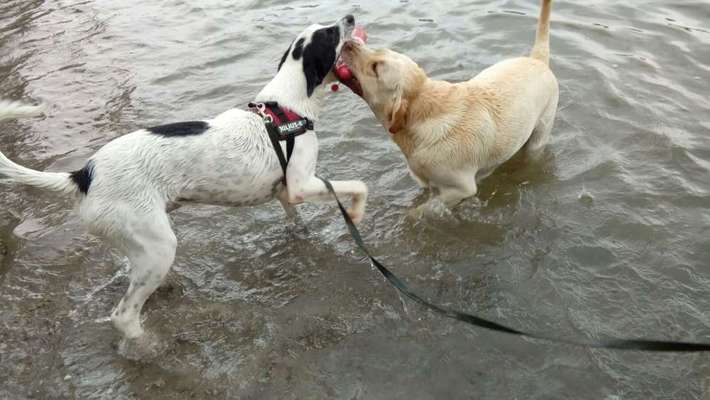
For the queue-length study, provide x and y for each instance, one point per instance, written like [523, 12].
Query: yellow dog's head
[387, 80]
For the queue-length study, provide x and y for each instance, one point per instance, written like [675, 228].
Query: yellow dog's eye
[374, 69]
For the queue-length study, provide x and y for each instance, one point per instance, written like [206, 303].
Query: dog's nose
[349, 19]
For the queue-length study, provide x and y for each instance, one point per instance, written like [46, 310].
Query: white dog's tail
[541, 49]
[14, 173]
[14, 109]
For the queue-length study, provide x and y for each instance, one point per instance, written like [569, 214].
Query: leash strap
[615, 344]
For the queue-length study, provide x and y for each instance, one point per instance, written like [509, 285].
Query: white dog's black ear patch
[319, 56]
[298, 49]
[297, 52]
[283, 59]
[189, 128]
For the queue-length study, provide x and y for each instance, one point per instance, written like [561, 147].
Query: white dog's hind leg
[291, 212]
[151, 252]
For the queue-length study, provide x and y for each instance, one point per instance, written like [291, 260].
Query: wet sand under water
[607, 236]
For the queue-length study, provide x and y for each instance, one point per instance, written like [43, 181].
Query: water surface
[607, 236]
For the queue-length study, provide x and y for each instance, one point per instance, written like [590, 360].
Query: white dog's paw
[357, 208]
[356, 215]
[146, 347]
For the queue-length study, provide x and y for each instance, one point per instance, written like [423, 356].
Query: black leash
[616, 344]
[288, 133]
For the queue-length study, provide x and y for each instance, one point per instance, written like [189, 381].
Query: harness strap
[288, 127]
[275, 137]
[290, 143]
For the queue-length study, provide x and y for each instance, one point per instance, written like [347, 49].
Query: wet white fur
[139, 177]
[14, 109]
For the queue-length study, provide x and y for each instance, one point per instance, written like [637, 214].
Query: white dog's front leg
[314, 190]
[304, 186]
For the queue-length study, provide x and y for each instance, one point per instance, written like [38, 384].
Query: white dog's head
[315, 51]
[307, 66]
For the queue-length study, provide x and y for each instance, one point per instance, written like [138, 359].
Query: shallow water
[608, 235]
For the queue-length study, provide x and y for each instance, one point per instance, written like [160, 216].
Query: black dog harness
[282, 125]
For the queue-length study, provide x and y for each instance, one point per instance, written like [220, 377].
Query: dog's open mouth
[342, 69]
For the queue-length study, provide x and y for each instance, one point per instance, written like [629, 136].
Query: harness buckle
[261, 110]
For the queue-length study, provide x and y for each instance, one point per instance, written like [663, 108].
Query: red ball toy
[344, 73]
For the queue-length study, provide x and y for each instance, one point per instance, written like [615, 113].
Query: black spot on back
[298, 49]
[319, 56]
[188, 128]
[82, 178]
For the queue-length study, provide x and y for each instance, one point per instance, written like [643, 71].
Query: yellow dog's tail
[541, 50]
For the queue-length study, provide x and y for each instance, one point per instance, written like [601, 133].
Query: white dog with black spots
[128, 187]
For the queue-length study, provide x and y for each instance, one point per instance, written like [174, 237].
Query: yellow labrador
[454, 134]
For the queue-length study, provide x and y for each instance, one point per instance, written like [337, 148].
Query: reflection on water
[606, 236]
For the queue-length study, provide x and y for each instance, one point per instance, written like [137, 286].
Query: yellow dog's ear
[398, 114]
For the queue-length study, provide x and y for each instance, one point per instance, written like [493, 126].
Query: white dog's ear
[319, 56]
[398, 113]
